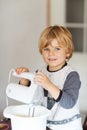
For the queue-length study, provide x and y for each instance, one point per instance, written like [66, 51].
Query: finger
[40, 74]
[21, 69]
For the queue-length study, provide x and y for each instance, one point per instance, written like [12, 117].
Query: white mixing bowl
[20, 120]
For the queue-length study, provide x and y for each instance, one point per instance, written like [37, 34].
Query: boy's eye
[46, 49]
[57, 48]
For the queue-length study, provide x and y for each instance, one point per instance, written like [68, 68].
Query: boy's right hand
[21, 69]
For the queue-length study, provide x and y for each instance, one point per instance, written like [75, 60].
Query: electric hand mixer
[28, 116]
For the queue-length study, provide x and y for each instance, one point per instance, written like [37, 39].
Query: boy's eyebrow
[56, 46]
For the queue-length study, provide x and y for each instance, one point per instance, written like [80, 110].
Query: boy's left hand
[42, 80]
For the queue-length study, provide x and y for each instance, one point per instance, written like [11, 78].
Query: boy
[58, 82]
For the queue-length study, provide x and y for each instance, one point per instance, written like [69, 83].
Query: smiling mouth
[52, 59]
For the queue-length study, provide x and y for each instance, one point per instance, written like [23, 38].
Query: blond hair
[61, 34]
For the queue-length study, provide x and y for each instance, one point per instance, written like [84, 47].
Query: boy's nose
[51, 52]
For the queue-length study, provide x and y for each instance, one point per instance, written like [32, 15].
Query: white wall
[58, 12]
[21, 22]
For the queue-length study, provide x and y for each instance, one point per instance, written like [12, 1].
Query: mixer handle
[26, 75]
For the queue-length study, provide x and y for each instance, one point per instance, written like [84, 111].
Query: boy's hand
[21, 69]
[42, 80]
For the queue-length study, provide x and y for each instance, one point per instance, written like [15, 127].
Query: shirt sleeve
[70, 90]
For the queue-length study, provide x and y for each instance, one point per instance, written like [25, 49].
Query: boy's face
[54, 55]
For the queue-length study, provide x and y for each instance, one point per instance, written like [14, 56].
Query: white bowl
[20, 120]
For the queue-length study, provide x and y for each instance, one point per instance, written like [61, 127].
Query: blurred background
[22, 21]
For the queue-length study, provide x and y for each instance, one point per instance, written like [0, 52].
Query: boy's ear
[67, 55]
